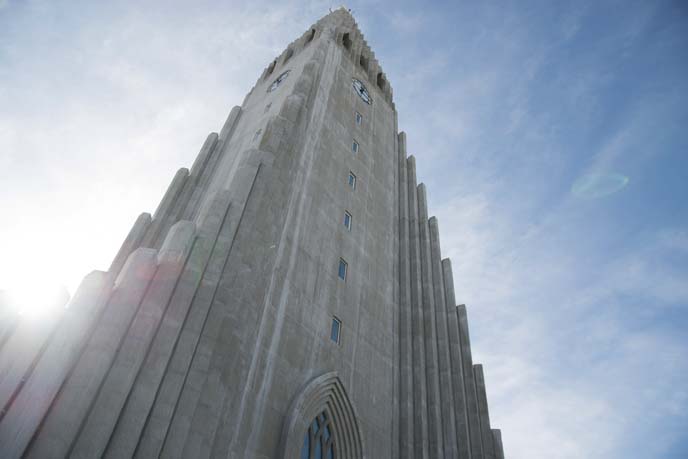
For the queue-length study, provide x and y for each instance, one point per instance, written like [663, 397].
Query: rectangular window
[336, 327]
[359, 118]
[342, 269]
[352, 180]
[354, 147]
[347, 220]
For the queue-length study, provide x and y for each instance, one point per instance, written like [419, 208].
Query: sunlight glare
[35, 300]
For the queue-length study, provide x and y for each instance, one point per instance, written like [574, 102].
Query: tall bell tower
[286, 299]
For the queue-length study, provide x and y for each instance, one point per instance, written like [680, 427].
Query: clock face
[361, 91]
[275, 84]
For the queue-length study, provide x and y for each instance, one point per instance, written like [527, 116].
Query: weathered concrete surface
[497, 439]
[114, 390]
[406, 411]
[420, 398]
[210, 247]
[451, 445]
[459, 385]
[435, 403]
[486, 432]
[472, 411]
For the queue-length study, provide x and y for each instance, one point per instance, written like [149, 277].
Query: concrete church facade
[287, 299]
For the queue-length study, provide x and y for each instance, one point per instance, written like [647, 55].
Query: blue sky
[551, 136]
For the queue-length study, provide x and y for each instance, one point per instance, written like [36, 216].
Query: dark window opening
[342, 269]
[346, 41]
[352, 180]
[290, 53]
[311, 36]
[363, 61]
[347, 220]
[271, 67]
[381, 81]
[335, 330]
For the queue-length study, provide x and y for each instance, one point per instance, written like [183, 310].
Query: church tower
[287, 299]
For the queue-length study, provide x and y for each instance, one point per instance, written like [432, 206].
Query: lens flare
[35, 301]
[593, 186]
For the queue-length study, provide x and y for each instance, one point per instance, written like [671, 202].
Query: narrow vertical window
[359, 118]
[381, 81]
[257, 134]
[354, 147]
[271, 67]
[352, 180]
[364, 62]
[267, 107]
[346, 41]
[336, 327]
[290, 53]
[347, 220]
[342, 269]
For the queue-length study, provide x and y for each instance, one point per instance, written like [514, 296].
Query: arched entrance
[322, 423]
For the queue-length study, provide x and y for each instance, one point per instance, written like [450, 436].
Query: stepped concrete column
[420, 403]
[152, 237]
[66, 416]
[444, 359]
[207, 255]
[469, 381]
[115, 388]
[460, 409]
[435, 420]
[486, 432]
[191, 184]
[170, 421]
[497, 440]
[405, 327]
[131, 242]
